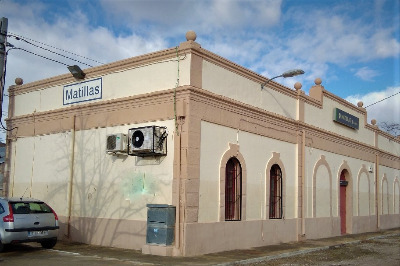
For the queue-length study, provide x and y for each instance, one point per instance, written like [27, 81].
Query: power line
[16, 48]
[18, 38]
[51, 46]
[383, 99]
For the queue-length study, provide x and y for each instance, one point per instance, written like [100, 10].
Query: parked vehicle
[27, 220]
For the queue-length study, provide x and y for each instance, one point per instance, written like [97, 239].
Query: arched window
[233, 190]
[275, 193]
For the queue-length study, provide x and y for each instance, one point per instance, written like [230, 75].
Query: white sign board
[82, 92]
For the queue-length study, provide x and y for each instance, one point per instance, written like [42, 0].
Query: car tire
[1, 247]
[49, 243]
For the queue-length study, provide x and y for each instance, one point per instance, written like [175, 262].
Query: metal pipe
[303, 189]
[71, 178]
[377, 191]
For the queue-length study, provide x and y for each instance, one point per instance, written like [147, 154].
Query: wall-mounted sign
[82, 92]
[346, 119]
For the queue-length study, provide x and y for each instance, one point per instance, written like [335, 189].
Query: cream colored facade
[214, 110]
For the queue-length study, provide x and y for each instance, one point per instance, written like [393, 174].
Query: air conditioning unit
[117, 143]
[147, 141]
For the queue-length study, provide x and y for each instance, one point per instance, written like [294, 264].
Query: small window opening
[275, 193]
[233, 190]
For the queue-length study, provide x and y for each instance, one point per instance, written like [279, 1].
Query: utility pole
[3, 57]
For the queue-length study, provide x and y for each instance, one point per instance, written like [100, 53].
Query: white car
[27, 220]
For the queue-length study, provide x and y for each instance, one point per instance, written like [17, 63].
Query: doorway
[343, 200]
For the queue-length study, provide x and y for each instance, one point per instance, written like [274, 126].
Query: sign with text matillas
[82, 92]
[346, 119]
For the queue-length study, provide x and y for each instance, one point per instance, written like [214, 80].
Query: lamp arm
[268, 80]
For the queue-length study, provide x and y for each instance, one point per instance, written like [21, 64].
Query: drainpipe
[178, 207]
[71, 178]
[303, 189]
[182, 192]
[378, 226]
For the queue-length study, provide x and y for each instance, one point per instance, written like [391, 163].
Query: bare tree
[390, 127]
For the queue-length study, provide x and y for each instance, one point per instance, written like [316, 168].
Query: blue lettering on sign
[82, 92]
[346, 119]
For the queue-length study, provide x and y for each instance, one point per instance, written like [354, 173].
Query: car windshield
[30, 207]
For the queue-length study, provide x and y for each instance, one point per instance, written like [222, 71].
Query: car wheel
[2, 246]
[49, 243]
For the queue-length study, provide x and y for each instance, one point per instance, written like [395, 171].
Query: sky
[353, 46]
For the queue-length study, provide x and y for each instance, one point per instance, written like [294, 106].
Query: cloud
[341, 39]
[206, 16]
[384, 45]
[366, 73]
[379, 106]
[81, 38]
[268, 37]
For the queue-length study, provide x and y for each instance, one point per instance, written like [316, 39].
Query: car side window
[1, 209]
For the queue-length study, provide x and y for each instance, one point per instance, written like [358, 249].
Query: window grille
[275, 196]
[233, 190]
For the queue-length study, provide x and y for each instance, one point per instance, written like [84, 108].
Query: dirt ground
[383, 251]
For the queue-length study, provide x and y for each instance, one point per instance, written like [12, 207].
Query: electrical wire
[14, 35]
[383, 99]
[22, 49]
[6, 129]
[176, 86]
[48, 50]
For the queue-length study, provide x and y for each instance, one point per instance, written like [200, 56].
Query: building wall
[322, 117]
[58, 153]
[107, 190]
[329, 149]
[42, 169]
[388, 144]
[138, 78]
[225, 82]
[214, 110]
[324, 168]
[257, 151]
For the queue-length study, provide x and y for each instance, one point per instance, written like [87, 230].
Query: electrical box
[160, 224]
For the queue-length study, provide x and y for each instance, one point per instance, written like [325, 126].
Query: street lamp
[76, 71]
[287, 74]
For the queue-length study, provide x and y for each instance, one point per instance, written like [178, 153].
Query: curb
[301, 252]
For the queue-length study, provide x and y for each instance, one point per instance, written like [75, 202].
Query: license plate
[38, 233]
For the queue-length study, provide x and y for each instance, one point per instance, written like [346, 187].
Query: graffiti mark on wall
[139, 186]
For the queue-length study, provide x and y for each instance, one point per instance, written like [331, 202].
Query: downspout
[303, 189]
[10, 147]
[178, 207]
[377, 178]
[378, 226]
[34, 153]
[71, 178]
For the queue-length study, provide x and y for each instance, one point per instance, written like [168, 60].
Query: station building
[240, 166]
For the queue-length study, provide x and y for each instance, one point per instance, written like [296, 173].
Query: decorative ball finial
[191, 35]
[373, 122]
[297, 86]
[318, 81]
[19, 81]
[360, 104]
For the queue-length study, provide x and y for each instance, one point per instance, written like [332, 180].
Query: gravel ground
[383, 251]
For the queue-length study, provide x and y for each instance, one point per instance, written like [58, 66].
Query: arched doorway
[343, 199]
